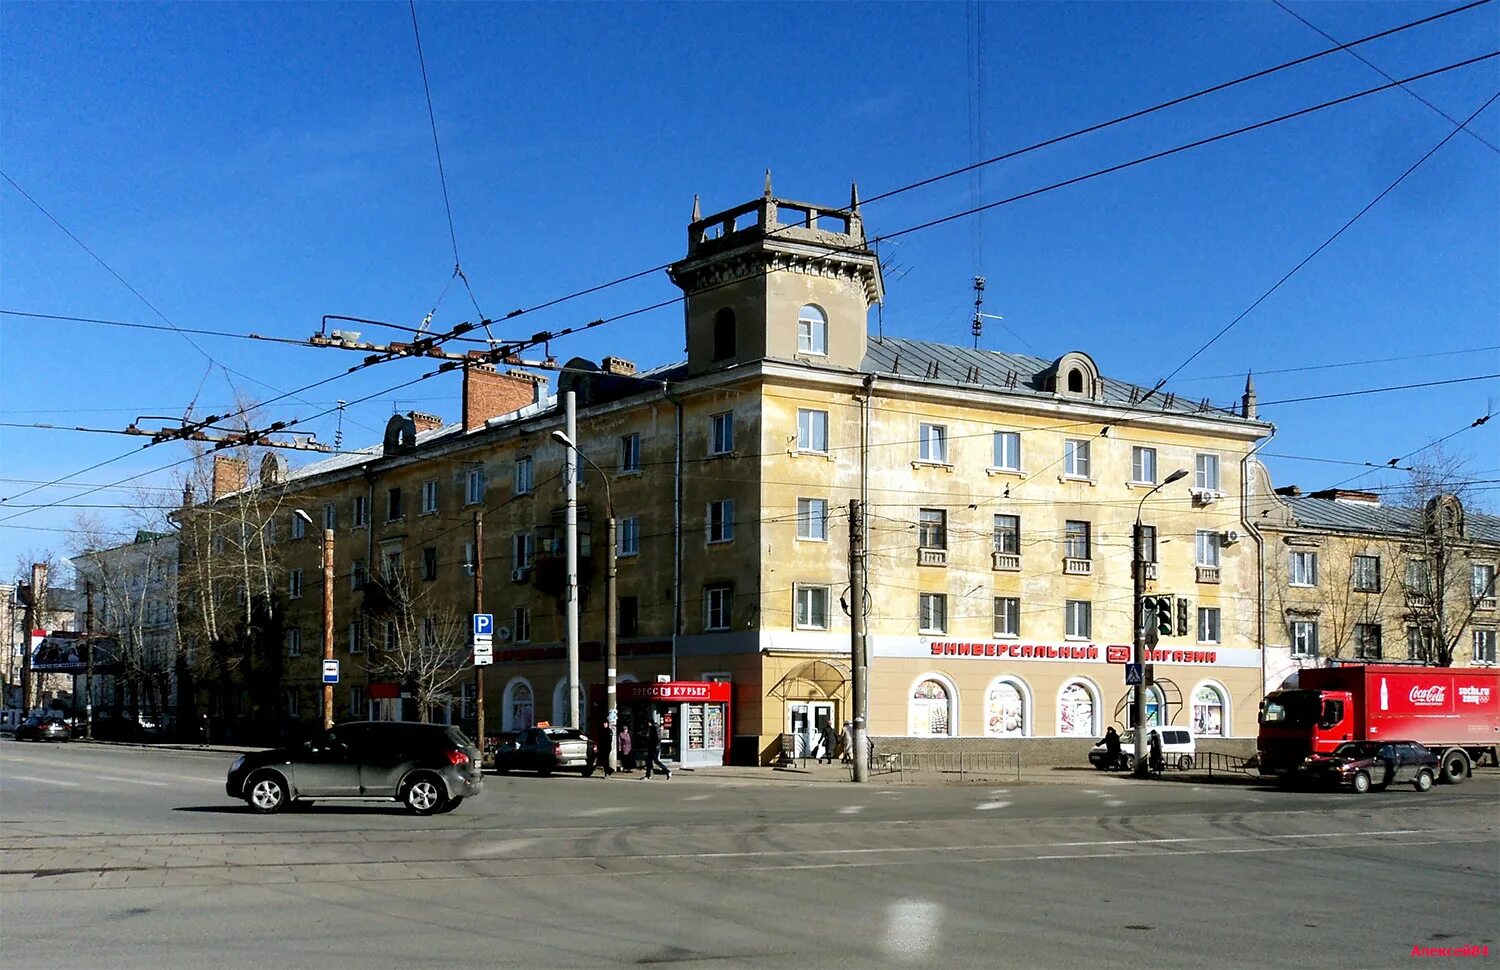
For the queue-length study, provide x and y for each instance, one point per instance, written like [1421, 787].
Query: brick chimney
[425, 422]
[618, 366]
[230, 475]
[489, 394]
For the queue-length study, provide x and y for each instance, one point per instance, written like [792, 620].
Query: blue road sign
[1133, 674]
[330, 671]
[484, 624]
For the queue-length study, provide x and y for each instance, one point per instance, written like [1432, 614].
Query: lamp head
[1176, 476]
[561, 437]
[302, 514]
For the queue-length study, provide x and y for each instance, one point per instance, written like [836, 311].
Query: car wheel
[1361, 782]
[1185, 763]
[544, 772]
[588, 772]
[502, 770]
[1423, 781]
[452, 804]
[1455, 767]
[425, 795]
[267, 793]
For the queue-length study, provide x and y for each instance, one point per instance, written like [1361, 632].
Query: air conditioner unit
[502, 633]
[1229, 536]
[519, 575]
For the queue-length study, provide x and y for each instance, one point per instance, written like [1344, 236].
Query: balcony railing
[1077, 567]
[1208, 574]
[932, 557]
[1006, 561]
[1418, 599]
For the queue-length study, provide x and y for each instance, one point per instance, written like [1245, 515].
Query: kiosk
[694, 717]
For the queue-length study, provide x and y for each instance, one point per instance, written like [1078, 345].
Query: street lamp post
[327, 565]
[1138, 621]
[610, 591]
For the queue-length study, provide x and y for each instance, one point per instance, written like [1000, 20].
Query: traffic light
[1182, 617]
[1164, 615]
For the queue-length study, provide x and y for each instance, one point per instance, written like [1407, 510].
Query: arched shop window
[1156, 708]
[1007, 709]
[931, 709]
[520, 712]
[1077, 711]
[1208, 711]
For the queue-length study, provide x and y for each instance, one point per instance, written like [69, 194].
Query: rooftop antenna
[338, 431]
[977, 327]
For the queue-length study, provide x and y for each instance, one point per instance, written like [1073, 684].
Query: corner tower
[779, 279]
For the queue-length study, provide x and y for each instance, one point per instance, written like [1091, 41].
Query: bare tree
[428, 643]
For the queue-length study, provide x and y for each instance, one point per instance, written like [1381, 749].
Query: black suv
[430, 768]
[1363, 765]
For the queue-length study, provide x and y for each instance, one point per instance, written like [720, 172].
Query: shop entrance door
[805, 720]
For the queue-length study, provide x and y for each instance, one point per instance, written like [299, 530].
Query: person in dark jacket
[1111, 742]
[651, 750]
[828, 741]
[604, 743]
[1153, 744]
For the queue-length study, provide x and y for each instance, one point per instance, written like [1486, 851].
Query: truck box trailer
[1455, 711]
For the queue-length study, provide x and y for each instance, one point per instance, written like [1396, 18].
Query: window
[812, 431]
[361, 511]
[1007, 616]
[721, 433]
[628, 539]
[522, 549]
[1419, 643]
[812, 519]
[1077, 458]
[718, 606]
[932, 529]
[520, 624]
[1207, 544]
[466, 700]
[1143, 465]
[812, 331]
[1482, 585]
[1076, 539]
[1008, 450]
[1008, 534]
[721, 520]
[930, 714]
[1080, 619]
[933, 443]
[429, 563]
[1367, 641]
[299, 531]
[1148, 543]
[812, 608]
[1484, 646]
[630, 617]
[1417, 576]
[469, 561]
[393, 505]
[524, 481]
[474, 485]
[1366, 574]
[358, 574]
[1208, 712]
[357, 707]
[393, 566]
[1005, 710]
[357, 636]
[1304, 638]
[294, 584]
[1208, 624]
[932, 613]
[293, 702]
[392, 635]
[723, 334]
[1304, 569]
[330, 516]
[630, 453]
[429, 497]
[1075, 711]
[294, 642]
[1206, 472]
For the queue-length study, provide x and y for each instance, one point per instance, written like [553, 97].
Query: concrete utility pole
[857, 653]
[88, 658]
[327, 623]
[479, 608]
[570, 480]
[33, 597]
[1138, 641]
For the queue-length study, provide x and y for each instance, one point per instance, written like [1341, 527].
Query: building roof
[1325, 513]
[950, 364]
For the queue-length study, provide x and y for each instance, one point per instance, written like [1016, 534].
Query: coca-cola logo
[1427, 696]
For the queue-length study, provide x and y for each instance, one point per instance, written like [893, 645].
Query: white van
[1178, 748]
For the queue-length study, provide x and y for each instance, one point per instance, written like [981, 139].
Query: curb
[170, 746]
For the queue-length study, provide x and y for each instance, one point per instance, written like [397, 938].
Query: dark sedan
[430, 768]
[1363, 765]
[545, 750]
[39, 727]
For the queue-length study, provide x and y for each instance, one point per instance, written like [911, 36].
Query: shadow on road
[298, 809]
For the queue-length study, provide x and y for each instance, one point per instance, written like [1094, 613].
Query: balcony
[1208, 574]
[932, 557]
[1418, 600]
[1077, 567]
[1487, 603]
[1009, 562]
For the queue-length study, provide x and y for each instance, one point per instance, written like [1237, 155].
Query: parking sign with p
[484, 624]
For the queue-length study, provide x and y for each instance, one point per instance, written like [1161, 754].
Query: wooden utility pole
[327, 624]
[479, 608]
[32, 598]
[857, 638]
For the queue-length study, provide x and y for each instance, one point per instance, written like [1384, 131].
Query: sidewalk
[832, 774]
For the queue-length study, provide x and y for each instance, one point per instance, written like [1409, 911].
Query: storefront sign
[676, 690]
[1113, 653]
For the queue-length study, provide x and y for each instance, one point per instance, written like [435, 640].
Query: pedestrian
[1111, 742]
[846, 742]
[627, 758]
[651, 750]
[829, 740]
[602, 748]
[1153, 744]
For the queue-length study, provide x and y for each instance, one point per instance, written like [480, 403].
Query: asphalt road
[121, 857]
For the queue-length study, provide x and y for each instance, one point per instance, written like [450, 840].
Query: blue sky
[250, 167]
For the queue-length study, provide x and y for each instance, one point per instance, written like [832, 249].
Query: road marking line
[132, 781]
[45, 781]
[989, 806]
[851, 809]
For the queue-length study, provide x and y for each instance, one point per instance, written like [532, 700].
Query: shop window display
[1004, 711]
[931, 710]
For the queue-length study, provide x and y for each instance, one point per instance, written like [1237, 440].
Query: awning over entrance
[814, 678]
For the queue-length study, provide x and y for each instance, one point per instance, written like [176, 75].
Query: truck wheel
[1455, 766]
[1361, 782]
[1423, 781]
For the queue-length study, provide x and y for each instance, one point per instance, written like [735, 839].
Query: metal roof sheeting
[1327, 513]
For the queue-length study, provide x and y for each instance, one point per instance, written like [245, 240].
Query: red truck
[1454, 711]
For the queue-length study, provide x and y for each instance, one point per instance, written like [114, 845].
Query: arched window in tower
[812, 331]
[1075, 381]
[724, 334]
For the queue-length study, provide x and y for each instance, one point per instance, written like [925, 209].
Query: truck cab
[1295, 724]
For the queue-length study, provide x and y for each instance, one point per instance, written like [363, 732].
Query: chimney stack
[425, 422]
[618, 366]
[489, 394]
[230, 475]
